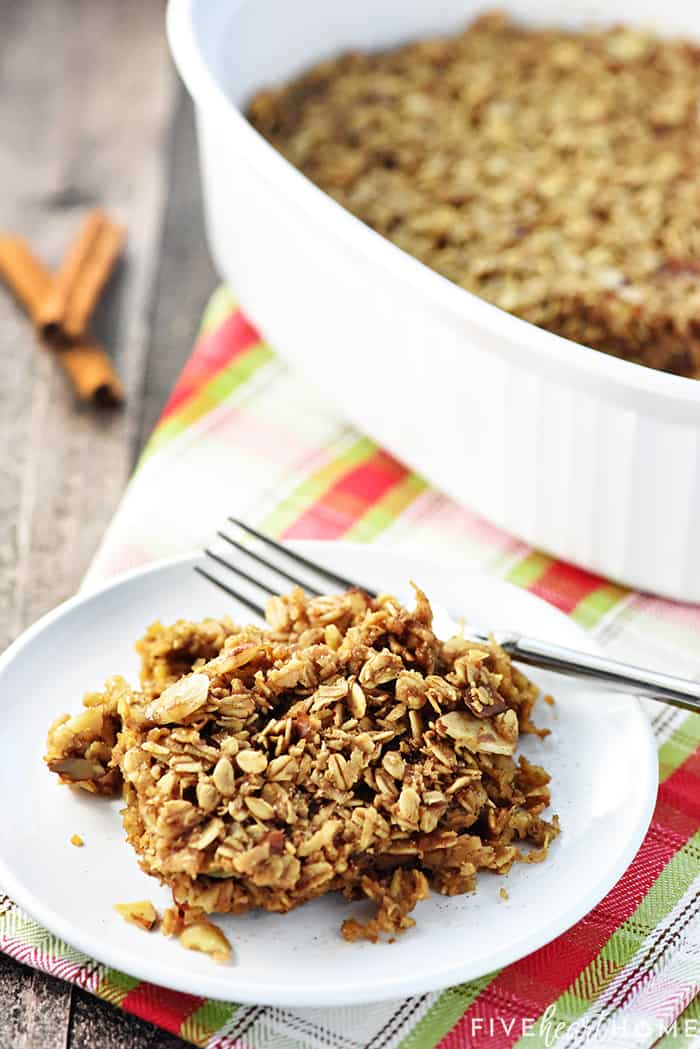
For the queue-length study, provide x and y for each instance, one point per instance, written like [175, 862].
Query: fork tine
[239, 571]
[231, 592]
[346, 584]
[268, 564]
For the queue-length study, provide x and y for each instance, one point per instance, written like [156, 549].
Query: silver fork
[620, 677]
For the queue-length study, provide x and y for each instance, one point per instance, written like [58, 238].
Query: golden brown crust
[79, 748]
[169, 652]
[346, 749]
[552, 173]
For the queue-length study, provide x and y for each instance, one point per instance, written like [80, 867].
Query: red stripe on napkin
[158, 1005]
[348, 499]
[214, 351]
[565, 586]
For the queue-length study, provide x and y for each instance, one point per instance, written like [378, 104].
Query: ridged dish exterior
[592, 459]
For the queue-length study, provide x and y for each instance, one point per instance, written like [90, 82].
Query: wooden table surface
[91, 112]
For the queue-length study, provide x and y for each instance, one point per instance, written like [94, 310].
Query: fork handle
[621, 677]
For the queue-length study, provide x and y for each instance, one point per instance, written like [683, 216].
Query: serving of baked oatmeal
[551, 172]
[344, 749]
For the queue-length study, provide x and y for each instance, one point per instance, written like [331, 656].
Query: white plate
[600, 753]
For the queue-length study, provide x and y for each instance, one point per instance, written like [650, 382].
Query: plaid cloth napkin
[628, 974]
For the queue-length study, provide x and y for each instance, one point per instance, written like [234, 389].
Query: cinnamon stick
[88, 367]
[91, 373]
[78, 284]
[24, 274]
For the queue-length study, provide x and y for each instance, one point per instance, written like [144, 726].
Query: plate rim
[228, 985]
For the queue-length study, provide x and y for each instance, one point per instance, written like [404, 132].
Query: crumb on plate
[208, 938]
[141, 913]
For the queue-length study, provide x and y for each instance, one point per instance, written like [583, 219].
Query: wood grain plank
[86, 97]
[35, 1008]
[96, 1025]
[186, 275]
[82, 120]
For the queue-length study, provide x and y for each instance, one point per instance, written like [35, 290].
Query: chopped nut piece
[416, 723]
[206, 937]
[409, 806]
[207, 794]
[394, 764]
[141, 913]
[332, 636]
[324, 836]
[478, 735]
[77, 769]
[506, 726]
[380, 668]
[326, 695]
[180, 700]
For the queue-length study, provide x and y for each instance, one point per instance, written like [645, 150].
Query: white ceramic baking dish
[590, 458]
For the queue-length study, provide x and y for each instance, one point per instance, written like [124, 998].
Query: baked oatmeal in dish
[553, 173]
[344, 749]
